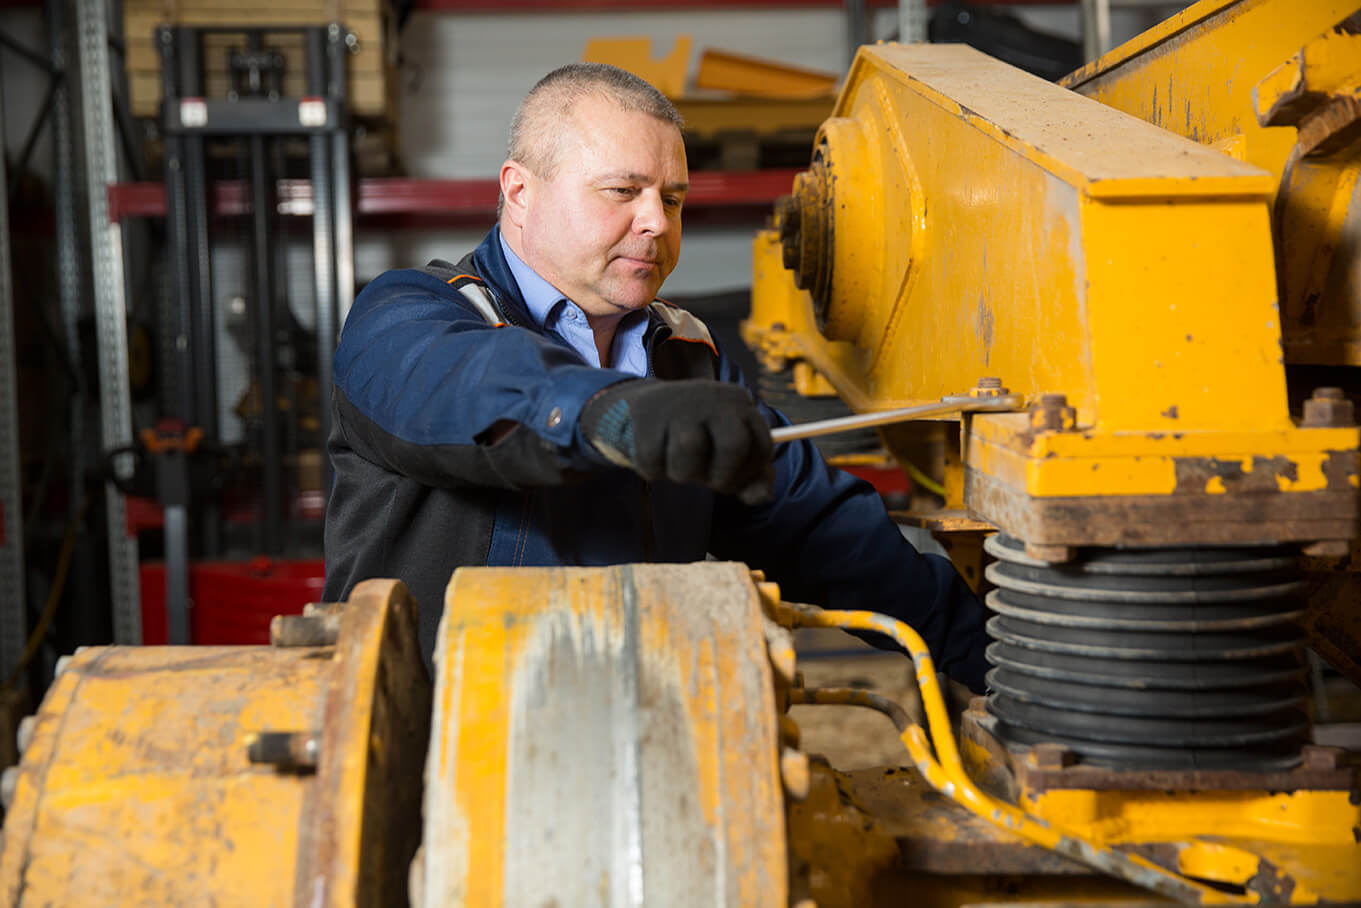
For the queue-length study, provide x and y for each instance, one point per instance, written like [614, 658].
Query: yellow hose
[945, 771]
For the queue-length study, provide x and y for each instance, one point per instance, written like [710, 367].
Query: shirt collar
[540, 296]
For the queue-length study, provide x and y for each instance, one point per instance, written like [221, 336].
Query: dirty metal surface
[1188, 518]
[1096, 778]
[1333, 621]
[603, 735]
[936, 835]
[948, 521]
[137, 787]
[375, 729]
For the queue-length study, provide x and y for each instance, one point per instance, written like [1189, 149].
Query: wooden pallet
[372, 86]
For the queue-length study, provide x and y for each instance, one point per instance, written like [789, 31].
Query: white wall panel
[463, 75]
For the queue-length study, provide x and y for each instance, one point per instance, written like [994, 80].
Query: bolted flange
[805, 225]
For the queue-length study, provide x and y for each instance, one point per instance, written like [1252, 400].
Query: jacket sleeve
[421, 378]
[827, 539]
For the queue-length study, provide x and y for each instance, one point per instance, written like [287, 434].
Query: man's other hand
[697, 430]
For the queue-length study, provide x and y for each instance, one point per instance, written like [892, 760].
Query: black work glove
[696, 430]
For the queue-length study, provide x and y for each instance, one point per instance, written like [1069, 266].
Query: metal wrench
[953, 403]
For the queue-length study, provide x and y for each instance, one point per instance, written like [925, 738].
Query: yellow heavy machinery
[620, 735]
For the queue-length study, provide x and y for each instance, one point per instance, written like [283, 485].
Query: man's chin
[635, 296]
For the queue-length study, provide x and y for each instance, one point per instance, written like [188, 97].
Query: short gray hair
[557, 93]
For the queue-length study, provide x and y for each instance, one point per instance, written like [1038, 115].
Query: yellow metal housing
[137, 788]
[962, 218]
[1276, 83]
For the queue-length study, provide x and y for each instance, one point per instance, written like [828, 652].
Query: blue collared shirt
[554, 312]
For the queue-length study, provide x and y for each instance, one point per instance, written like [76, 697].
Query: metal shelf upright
[13, 626]
[106, 256]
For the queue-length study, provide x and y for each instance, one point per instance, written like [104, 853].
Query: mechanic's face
[605, 228]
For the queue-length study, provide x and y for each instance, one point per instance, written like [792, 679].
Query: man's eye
[622, 191]
[672, 201]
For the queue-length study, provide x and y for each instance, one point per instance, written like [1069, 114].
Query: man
[535, 404]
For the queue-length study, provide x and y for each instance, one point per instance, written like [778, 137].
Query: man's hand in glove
[700, 431]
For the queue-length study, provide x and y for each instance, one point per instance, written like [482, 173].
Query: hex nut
[23, 735]
[1317, 756]
[1052, 414]
[794, 773]
[1328, 408]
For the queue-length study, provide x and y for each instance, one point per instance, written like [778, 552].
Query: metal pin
[296, 751]
[304, 630]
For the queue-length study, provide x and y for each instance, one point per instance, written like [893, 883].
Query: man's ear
[515, 190]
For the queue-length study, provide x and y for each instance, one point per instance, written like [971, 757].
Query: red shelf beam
[633, 6]
[444, 200]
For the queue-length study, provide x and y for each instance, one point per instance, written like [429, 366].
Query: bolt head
[1328, 394]
[1051, 755]
[1317, 756]
[1327, 412]
[23, 736]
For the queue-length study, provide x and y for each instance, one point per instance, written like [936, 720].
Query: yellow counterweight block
[250, 775]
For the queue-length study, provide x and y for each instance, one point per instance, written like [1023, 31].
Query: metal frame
[13, 626]
[187, 118]
[106, 256]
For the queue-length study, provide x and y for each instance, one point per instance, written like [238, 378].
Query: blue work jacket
[454, 441]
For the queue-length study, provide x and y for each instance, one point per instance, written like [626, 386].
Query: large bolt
[794, 773]
[1052, 414]
[988, 386]
[1328, 408]
[304, 630]
[9, 784]
[23, 735]
[296, 751]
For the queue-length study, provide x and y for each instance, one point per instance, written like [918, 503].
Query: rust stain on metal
[1171, 412]
[1273, 884]
[1340, 470]
[984, 323]
[1194, 474]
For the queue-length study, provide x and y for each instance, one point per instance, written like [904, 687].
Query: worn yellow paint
[1092, 463]
[1226, 835]
[1195, 72]
[1217, 73]
[1027, 251]
[1068, 247]
[137, 788]
[1327, 63]
[508, 631]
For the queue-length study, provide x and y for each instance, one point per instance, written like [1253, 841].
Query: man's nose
[649, 217]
